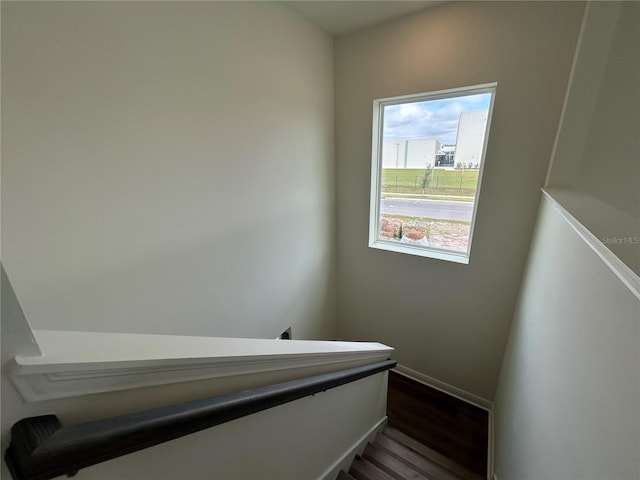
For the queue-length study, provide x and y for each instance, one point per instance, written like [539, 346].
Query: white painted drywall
[568, 401]
[450, 321]
[168, 167]
[610, 166]
[598, 146]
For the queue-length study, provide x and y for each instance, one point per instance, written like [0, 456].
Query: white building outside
[471, 129]
[421, 152]
[414, 153]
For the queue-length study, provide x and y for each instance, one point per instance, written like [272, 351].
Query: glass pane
[431, 158]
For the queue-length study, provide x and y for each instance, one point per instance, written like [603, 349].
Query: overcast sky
[431, 119]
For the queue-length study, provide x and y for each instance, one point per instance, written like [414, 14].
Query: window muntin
[428, 158]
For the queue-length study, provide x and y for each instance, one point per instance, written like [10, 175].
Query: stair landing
[453, 427]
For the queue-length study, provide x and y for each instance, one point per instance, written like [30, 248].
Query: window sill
[446, 255]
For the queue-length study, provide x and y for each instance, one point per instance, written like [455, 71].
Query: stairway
[395, 456]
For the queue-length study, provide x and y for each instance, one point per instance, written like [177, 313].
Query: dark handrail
[42, 448]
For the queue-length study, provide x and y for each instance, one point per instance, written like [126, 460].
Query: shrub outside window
[428, 156]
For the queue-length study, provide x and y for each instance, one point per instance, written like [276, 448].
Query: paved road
[440, 209]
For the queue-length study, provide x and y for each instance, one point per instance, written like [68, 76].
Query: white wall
[598, 148]
[446, 320]
[610, 167]
[568, 401]
[168, 167]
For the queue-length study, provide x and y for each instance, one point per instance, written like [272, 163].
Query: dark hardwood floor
[452, 427]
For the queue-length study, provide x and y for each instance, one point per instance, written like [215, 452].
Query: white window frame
[376, 172]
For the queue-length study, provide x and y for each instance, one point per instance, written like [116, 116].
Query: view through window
[428, 158]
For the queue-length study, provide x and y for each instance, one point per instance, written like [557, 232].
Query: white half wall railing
[611, 234]
[81, 363]
[298, 409]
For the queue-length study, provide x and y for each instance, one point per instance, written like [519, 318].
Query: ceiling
[339, 17]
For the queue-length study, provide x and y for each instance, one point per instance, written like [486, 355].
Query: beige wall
[168, 167]
[446, 320]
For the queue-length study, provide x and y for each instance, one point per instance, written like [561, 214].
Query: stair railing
[41, 448]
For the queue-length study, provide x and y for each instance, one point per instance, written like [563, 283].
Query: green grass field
[443, 182]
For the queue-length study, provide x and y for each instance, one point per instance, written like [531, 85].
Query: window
[428, 158]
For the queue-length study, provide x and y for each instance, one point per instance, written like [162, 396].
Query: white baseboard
[445, 387]
[460, 394]
[344, 462]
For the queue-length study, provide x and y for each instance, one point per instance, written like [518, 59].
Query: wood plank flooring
[394, 456]
[453, 428]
